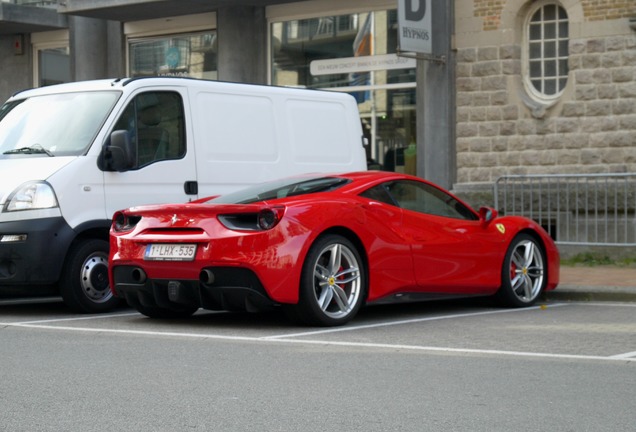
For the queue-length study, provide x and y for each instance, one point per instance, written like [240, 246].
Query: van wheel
[84, 282]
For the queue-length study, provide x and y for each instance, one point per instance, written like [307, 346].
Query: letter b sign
[415, 25]
[414, 10]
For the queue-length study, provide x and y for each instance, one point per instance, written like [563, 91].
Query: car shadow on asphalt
[33, 307]
[276, 319]
[52, 308]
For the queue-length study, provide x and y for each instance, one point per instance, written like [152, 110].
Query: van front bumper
[32, 251]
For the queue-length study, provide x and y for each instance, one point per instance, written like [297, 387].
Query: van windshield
[62, 124]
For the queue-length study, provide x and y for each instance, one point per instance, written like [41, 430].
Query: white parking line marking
[456, 350]
[626, 356]
[82, 318]
[581, 303]
[324, 343]
[130, 332]
[292, 337]
[409, 321]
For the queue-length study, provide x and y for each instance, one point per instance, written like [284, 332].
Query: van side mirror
[487, 214]
[119, 155]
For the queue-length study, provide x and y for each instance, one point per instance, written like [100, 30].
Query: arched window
[547, 51]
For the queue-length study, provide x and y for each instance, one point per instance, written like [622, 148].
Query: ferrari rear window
[281, 189]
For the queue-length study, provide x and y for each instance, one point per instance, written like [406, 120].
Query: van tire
[84, 282]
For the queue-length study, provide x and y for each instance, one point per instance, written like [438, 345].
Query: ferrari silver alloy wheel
[526, 270]
[337, 281]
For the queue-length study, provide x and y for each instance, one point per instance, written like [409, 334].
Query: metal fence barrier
[576, 209]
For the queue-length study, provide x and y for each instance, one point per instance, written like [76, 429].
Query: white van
[73, 154]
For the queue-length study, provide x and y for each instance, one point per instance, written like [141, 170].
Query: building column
[97, 48]
[436, 152]
[242, 42]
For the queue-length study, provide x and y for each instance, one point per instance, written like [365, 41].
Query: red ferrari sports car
[321, 246]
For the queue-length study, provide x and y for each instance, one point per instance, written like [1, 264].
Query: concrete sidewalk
[595, 283]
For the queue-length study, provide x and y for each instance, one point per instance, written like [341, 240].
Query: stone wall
[591, 129]
[595, 10]
[490, 11]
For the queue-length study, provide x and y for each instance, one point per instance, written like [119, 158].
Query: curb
[591, 293]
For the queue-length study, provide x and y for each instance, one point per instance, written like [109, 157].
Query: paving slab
[596, 283]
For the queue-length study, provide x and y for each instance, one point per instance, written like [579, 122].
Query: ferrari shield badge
[501, 228]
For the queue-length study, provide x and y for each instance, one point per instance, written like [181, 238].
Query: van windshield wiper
[34, 149]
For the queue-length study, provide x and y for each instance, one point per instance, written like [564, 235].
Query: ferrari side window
[424, 198]
[282, 188]
[378, 193]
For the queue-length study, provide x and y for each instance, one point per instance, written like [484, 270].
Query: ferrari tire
[332, 284]
[523, 275]
[84, 282]
[165, 313]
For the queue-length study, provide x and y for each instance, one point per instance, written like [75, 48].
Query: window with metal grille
[547, 38]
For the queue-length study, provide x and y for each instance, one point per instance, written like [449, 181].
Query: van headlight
[31, 196]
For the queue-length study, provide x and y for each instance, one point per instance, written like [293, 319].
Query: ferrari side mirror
[487, 214]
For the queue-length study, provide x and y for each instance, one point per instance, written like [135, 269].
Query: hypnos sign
[415, 31]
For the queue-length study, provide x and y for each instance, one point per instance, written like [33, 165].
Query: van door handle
[191, 187]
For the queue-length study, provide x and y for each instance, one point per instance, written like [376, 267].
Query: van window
[155, 124]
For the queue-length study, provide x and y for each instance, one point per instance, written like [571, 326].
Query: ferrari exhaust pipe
[138, 275]
[206, 277]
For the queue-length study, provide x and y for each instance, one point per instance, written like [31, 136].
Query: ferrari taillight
[268, 218]
[263, 220]
[123, 222]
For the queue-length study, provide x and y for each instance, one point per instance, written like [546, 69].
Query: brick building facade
[505, 127]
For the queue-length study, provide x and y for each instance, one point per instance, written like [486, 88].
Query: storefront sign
[360, 64]
[415, 29]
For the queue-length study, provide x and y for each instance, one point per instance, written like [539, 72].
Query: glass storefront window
[356, 54]
[187, 55]
[54, 66]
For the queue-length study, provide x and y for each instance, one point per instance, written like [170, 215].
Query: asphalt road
[452, 366]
